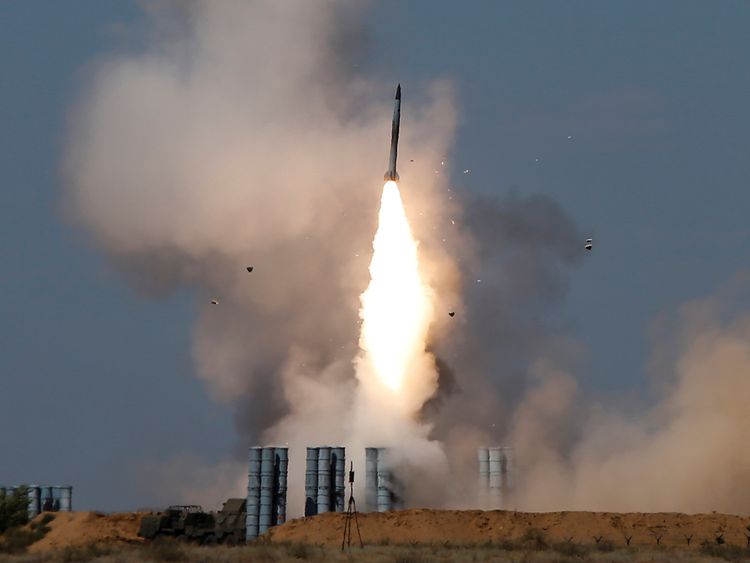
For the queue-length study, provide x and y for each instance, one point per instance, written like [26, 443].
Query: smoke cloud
[241, 134]
[684, 453]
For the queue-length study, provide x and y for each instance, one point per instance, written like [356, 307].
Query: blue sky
[652, 95]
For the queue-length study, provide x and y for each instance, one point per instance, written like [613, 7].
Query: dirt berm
[79, 529]
[474, 526]
[440, 526]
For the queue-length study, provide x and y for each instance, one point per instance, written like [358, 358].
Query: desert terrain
[416, 536]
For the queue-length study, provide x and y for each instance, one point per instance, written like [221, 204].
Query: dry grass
[534, 545]
[531, 549]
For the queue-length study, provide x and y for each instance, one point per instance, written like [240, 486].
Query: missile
[391, 173]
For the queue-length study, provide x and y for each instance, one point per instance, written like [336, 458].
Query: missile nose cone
[398, 92]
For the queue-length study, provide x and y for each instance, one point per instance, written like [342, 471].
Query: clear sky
[632, 115]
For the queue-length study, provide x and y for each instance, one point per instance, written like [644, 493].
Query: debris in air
[467, 171]
[589, 244]
[214, 301]
[452, 314]
[249, 268]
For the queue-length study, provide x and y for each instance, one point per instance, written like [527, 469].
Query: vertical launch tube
[282, 465]
[66, 498]
[483, 457]
[385, 484]
[384, 490]
[311, 482]
[324, 479]
[371, 479]
[253, 494]
[34, 495]
[48, 499]
[507, 474]
[495, 480]
[338, 456]
[267, 486]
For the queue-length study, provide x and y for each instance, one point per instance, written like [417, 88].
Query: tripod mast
[351, 514]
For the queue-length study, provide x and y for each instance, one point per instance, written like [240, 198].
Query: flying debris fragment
[249, 268]
[214, 301]
[452, 314]
[467, 171]
[589, 244]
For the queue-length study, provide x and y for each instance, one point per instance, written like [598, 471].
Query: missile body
[391, 173]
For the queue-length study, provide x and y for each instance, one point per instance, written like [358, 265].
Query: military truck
[192, 524]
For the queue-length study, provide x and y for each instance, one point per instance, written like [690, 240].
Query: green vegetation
[13, 509]
[16, 536]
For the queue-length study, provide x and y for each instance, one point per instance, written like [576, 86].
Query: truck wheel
[210, 539]
[232, 540]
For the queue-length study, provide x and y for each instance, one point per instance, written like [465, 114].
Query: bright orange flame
[396, 307]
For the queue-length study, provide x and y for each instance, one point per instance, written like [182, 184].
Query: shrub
[17, 539]
[385, 541]
[724, 551]
[534, 539]
[264, 552]
[300, 551]
[77, 554]
[570, 549]
[410, 557]
[14, 509]
[166, 551]
[504, 544]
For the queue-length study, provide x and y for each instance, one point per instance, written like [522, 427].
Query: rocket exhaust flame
[394, 371]
[396, 307]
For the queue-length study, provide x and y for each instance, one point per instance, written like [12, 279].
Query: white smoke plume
[239, 135]
[685, 453]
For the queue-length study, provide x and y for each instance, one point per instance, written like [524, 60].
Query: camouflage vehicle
[231, 522]
[190, 523]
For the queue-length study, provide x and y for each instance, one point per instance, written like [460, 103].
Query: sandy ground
[459, 527]
[88, 528]
[439, 526]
